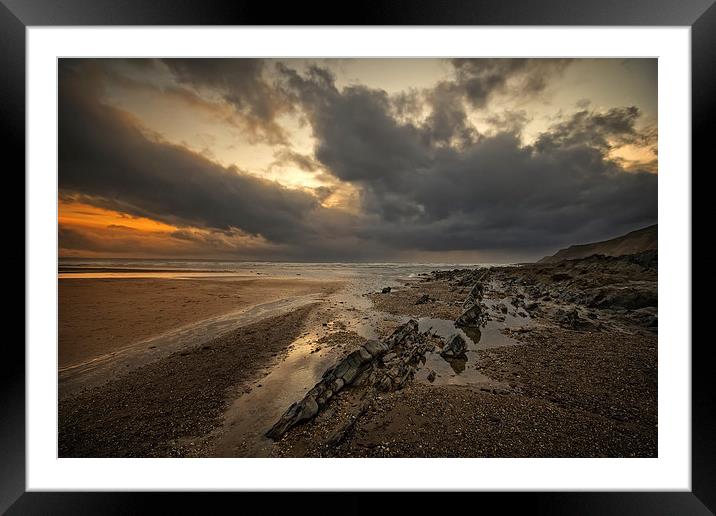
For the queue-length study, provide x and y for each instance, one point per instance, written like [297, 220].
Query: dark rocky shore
[580, 379]
[537, 360]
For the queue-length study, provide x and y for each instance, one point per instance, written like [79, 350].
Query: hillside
[635, 242]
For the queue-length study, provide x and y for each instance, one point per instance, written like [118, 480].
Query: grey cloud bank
[432, 183]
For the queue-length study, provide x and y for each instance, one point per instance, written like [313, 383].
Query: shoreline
[565, 365]
[100, 316]
[164, 408]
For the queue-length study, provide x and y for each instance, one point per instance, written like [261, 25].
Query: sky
[365, 160]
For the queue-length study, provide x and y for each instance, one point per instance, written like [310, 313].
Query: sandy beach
[100, 316]
[562, 364]
[159, 408]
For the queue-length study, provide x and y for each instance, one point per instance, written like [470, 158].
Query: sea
[162, 268]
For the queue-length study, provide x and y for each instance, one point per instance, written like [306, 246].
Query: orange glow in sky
[86, 216]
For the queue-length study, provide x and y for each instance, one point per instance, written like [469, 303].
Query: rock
[473, 317]
[388, 357]
[645, 317]
[423, 299]
[300, 411]
[350, 366]
[502, 307]
[406, 377]
[406, 331]
[474, 296]
[633, 297]
[572, 320]
[385, 383]
[338, 384]
[406, 344]
[385, 290]
[309, 408]
[363, 377]
[470, 277]
[456, 347]
[376, 348]
[323, 398]
[431, 376]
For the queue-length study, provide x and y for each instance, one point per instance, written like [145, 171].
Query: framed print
[441, 247]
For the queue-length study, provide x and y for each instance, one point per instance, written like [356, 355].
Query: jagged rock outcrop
[399, 367]
[475, 312]
[473, 317]
[474, 296]
[473, 276]
[386, 365]
[456, 347]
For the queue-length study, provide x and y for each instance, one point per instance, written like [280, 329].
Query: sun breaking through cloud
[353, 160]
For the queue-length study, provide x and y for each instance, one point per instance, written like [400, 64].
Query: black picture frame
[17, 15]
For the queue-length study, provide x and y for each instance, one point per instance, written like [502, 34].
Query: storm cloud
[241, 83]
[599, 130]
[480, 79]
[491, 192]
[427, 178]
[104, 156]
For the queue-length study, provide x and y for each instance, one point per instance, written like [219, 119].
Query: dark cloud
[111, 162]
[614, 128]
[491, 192]
[480, 79]
[243, 84]
[508, 121]
[355, 127]
[428, 181]
[447, 123]
[407, 104]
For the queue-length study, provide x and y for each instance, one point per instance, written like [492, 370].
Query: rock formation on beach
[577, 332]
[389, 364]
[475, 314]
[455, 347]
[383, 365]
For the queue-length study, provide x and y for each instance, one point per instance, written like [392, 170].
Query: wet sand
[566, 366]
[167, 408]
[101, 316]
